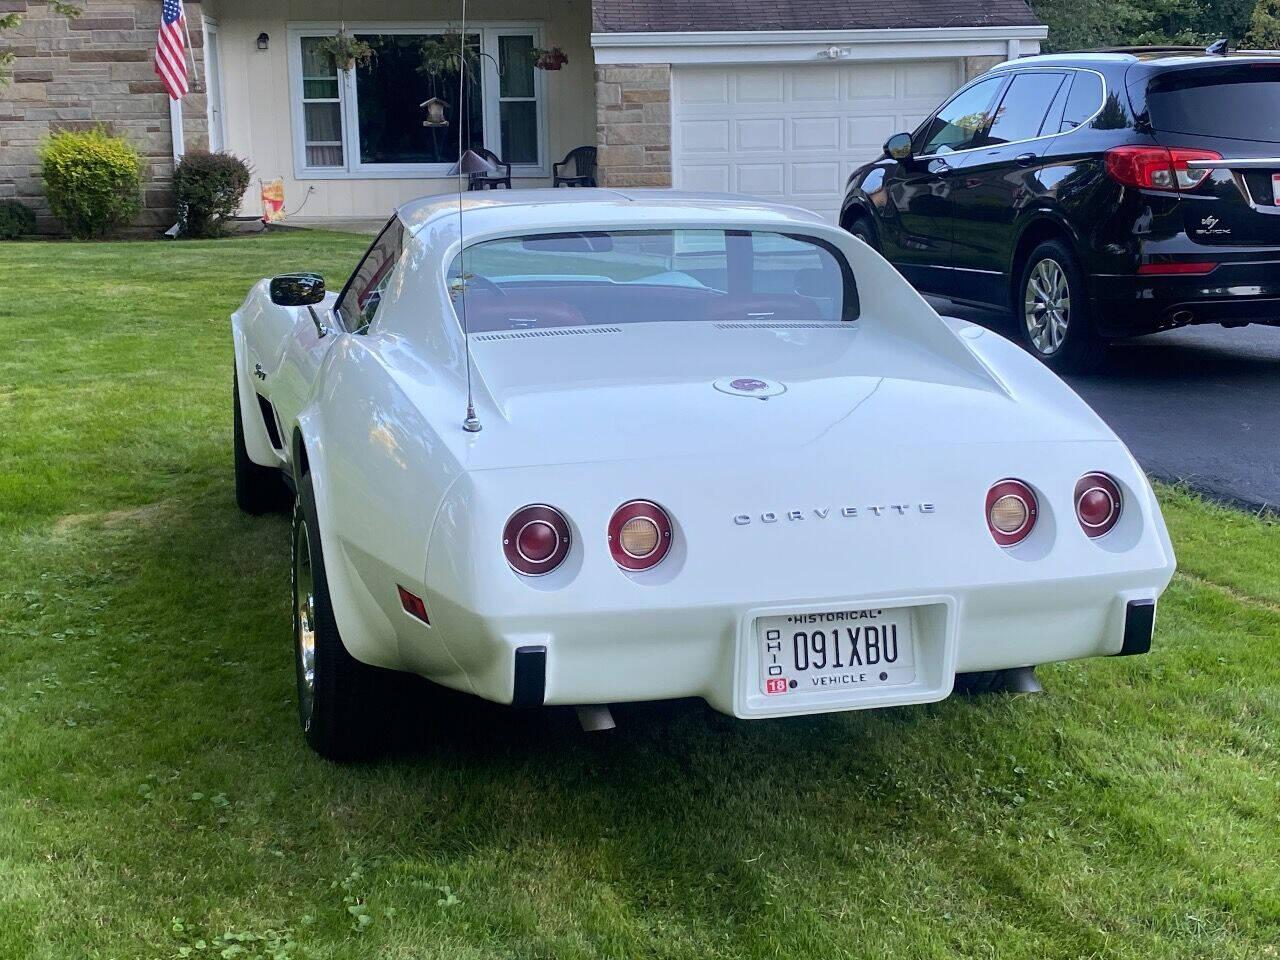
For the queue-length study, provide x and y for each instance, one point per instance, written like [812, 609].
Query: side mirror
[900, 147]
[297, 290]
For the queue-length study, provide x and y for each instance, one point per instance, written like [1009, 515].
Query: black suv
[1099, 195]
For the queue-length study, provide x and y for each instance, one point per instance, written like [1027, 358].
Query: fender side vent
[535, 334]
[269, 421]
[786, 325]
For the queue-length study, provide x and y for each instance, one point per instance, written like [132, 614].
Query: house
[778, 98]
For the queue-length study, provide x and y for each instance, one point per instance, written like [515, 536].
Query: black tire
[864, 230]
[340, 699]
[1065, 340]
[259, 489]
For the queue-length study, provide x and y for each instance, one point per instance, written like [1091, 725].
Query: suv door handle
[1025, 159]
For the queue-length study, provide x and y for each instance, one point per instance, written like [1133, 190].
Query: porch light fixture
[264, 42]
[435, 108]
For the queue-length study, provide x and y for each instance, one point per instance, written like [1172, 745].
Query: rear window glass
[1021, 113]
[577, 279]
[1083, 102]
[1240, 102]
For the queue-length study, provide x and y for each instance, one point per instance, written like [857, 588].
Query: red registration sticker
[775, 685]
[1275, 187]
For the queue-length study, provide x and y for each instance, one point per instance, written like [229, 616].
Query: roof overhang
[816, 46]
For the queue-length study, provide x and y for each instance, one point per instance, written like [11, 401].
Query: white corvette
[719, 449]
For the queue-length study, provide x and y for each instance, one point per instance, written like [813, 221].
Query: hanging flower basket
[442, 54]
[552, 59]
[346, 50]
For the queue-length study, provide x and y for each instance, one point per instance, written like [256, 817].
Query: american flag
[171, 49]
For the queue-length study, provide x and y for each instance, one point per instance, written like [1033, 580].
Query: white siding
[258, 112]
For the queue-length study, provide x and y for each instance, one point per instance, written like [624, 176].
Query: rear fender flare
[365, 630]
[1040, 224]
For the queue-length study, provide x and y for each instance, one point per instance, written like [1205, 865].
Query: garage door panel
[794, 132]
[714, 178]
[704, 87]
[815, 180]
[871, 82]
[704, 136]
[762, 134]
[820, 86]
[763, 179]
[869, 132]
[761, 86]
[815, 133]
[933, 80]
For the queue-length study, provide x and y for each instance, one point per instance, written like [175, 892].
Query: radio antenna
[471, 423]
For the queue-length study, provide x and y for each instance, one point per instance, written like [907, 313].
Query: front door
[917, 232]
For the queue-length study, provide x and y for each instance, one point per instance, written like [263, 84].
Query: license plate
[1275, 187]
[838, 649]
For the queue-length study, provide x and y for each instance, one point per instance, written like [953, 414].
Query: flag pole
[191, 50]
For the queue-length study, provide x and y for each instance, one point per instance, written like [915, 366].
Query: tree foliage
[1088, 24]
[1264, 29]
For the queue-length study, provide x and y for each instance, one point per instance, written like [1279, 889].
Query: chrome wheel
[1047, 306]
[304, 623]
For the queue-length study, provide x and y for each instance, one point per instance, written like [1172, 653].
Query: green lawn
[156, 799]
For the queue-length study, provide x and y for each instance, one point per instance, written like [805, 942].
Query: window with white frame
[367, 122]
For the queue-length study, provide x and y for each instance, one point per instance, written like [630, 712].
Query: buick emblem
[755, 387]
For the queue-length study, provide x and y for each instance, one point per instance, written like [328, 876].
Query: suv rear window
[1241, 102]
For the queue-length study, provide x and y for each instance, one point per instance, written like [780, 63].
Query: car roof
[1155, 58]
[499, 209]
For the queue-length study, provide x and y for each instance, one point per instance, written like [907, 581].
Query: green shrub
[16, 220]
[93, 182]
[208, 188]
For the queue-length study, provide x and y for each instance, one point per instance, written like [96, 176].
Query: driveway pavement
[1199, 405]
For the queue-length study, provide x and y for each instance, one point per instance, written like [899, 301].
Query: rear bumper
[711, 652]
[1233, 293]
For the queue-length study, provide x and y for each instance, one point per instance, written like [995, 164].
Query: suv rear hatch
[1233, 109]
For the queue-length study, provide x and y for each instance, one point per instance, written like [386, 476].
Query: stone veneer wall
[96, 70]
[633, 125]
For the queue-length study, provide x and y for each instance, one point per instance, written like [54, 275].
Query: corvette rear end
[664, 446]
[876, 535]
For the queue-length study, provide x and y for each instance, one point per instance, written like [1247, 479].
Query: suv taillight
[1158, 168]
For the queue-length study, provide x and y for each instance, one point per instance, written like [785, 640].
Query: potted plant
[346, 50]
[442, 53]
[552, 59]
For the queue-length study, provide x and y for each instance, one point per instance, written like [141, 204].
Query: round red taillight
[1011, 512]
[639, 535]
[1098, 504]
[536, 540]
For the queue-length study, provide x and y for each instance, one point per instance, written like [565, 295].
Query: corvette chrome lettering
[848, 513]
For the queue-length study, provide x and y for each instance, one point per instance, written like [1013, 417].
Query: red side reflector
[1181, 268]
[413, 605]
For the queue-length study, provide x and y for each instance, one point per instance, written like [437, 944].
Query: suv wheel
[861, 228]
[1053, 311]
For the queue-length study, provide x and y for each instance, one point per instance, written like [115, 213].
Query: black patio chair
[501, 177]
[583, 160]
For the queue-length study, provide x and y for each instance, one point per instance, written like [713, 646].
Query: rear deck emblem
[750, 387]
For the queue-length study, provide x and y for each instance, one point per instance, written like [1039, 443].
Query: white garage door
[795, 133]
